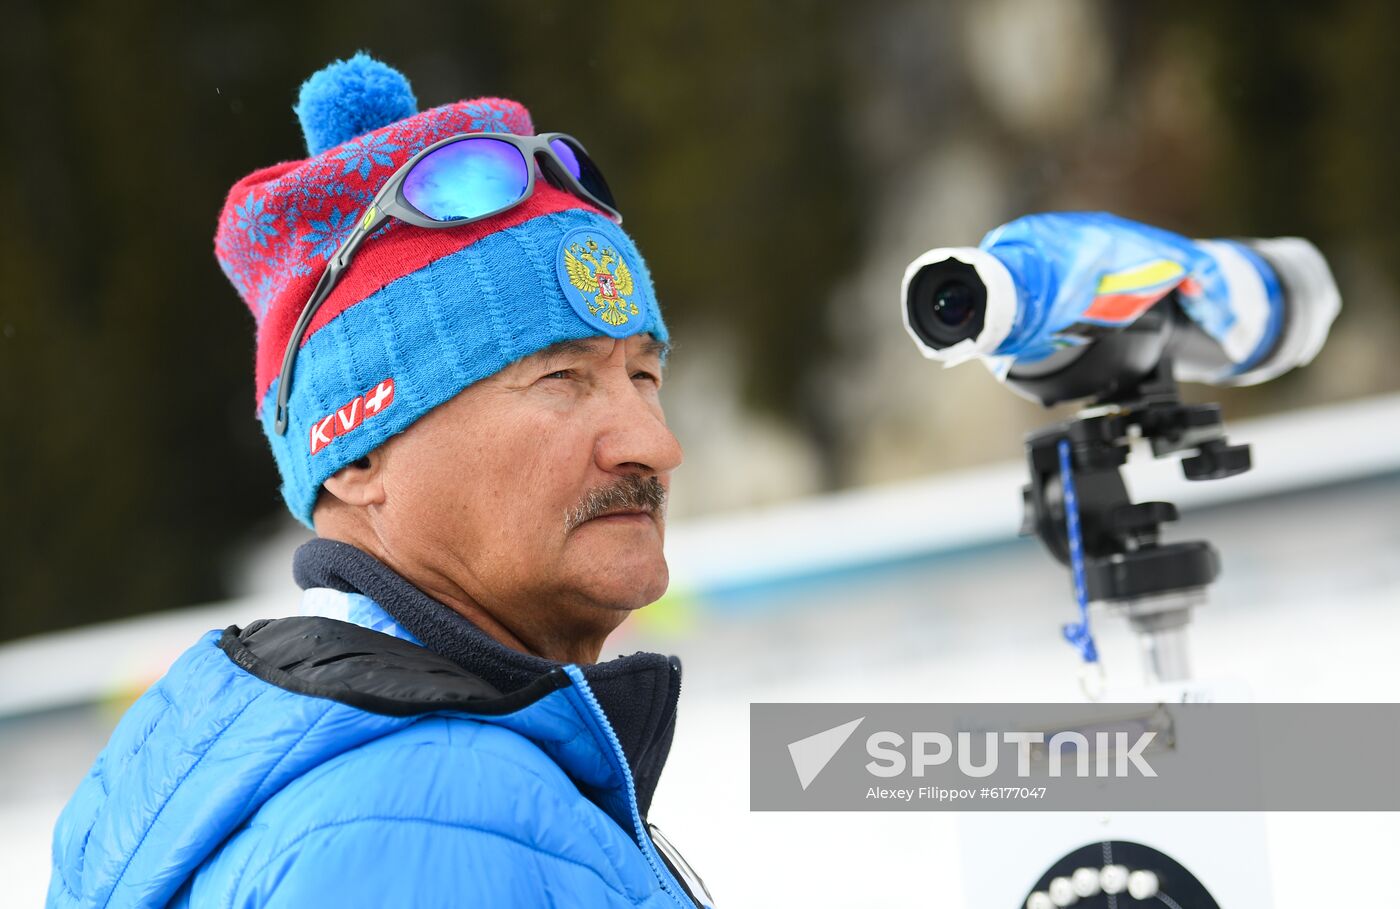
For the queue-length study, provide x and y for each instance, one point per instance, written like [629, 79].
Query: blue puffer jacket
[314, 762]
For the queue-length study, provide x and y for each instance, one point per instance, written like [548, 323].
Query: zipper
[669, 883]
[692, 882]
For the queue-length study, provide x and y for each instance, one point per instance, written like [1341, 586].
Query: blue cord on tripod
[1077, 634]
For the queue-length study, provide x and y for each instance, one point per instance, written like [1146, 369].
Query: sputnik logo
[811, 755]
[351, 415]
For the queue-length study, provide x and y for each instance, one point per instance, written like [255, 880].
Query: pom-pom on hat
[420, 313]
[350, 98]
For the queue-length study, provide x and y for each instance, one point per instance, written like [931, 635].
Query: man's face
[498, 488]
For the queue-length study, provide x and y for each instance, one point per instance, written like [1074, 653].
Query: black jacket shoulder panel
[343, 662]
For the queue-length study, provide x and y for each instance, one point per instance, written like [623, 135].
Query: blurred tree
[1304, 144]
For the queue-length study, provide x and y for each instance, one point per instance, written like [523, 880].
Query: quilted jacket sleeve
[419, 862]
[446, 813]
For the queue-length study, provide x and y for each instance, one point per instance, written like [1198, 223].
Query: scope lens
[947, 303]
[953, 304]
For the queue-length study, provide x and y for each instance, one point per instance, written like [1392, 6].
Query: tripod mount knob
[1215, 460]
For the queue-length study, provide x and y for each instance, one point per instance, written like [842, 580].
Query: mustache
[646, 493]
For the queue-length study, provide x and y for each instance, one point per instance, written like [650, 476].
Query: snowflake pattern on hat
[366, 153]
[287, 225]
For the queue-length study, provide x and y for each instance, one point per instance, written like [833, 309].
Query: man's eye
[643, 374]
[559, 374]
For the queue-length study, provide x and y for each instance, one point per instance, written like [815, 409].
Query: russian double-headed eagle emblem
[591, 270]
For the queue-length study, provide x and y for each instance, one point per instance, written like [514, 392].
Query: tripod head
[1124, 561]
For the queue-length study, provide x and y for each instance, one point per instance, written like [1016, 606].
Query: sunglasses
[456, 181]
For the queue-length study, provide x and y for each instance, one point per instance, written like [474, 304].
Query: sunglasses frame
[389, 202]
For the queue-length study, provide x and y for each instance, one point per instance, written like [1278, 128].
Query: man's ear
[359, 482]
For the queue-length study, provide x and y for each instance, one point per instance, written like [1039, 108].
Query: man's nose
[635, 439]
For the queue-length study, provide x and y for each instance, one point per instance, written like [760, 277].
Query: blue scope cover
[1076, 273]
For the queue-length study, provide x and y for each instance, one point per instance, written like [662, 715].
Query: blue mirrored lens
[467, 179]
[583, 169]
[565, 151]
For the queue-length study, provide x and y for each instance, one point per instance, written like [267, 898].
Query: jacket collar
[638, 693]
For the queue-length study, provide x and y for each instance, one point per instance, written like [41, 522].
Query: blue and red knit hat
[420, 313]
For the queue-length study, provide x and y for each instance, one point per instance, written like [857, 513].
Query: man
[459, 358]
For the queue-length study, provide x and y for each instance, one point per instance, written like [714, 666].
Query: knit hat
[420, 313]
